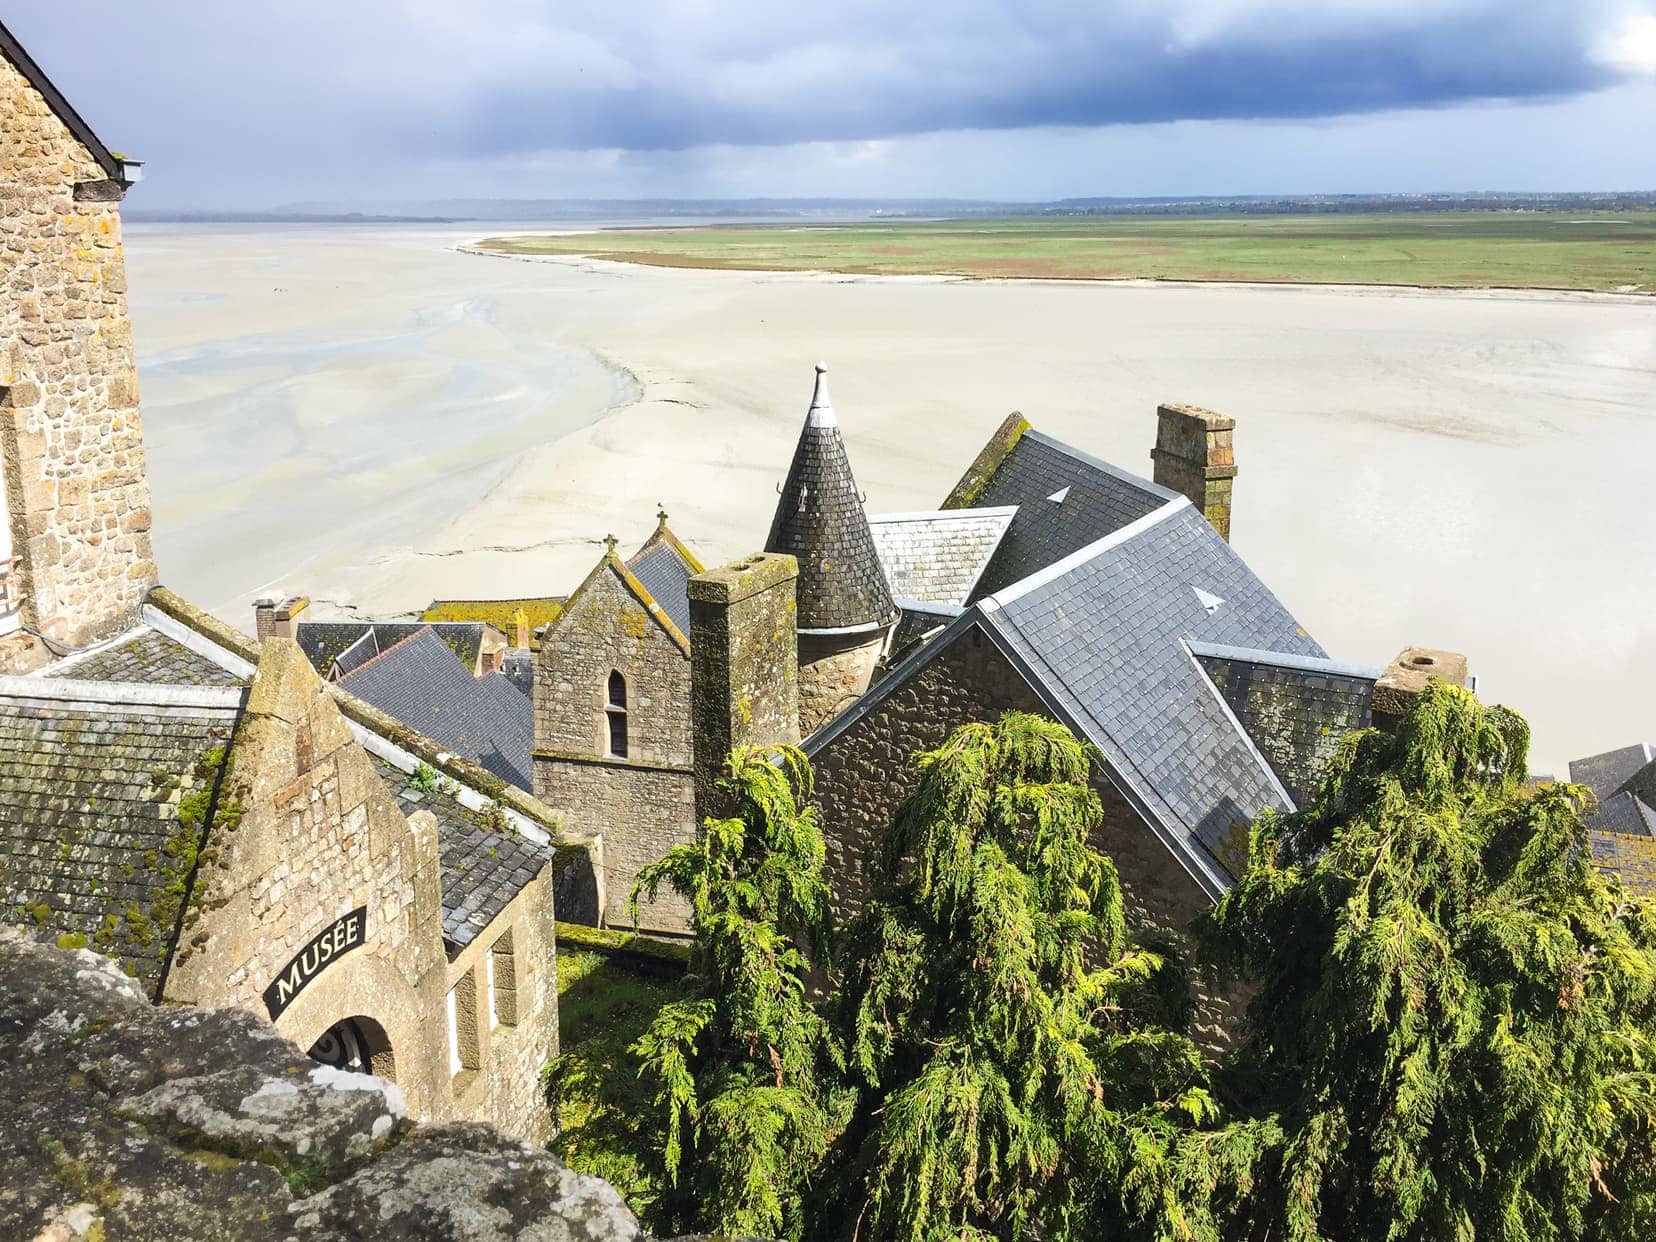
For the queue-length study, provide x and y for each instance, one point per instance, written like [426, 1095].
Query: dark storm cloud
[355, 87]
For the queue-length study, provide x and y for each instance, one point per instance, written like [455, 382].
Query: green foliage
[602, 1112]
[429, 780]
[1453, 1027]
[1001, 1025]
[742, 1063]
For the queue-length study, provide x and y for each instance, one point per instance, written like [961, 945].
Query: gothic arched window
[615, 714]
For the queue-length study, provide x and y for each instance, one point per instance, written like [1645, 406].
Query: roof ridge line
[396, 646]
[1087, 552]
[1281, 659]
[128, 693]
[1240, 728]
[939, 515]
[1110, 468]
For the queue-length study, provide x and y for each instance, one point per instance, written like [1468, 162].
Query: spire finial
[609, 544]
[661, 517]
[821, 413]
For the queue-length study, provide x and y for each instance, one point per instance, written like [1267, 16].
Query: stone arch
[357, 1043]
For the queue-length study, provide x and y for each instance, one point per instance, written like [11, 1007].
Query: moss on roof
[500, 613]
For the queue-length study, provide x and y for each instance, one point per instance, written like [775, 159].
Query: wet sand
[374, 418]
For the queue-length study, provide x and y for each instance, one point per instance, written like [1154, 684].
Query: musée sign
[338, 938]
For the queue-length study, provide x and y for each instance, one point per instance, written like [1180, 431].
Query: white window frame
[455, 1063]
[488, 983]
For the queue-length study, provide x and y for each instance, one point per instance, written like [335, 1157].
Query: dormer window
[615, 715]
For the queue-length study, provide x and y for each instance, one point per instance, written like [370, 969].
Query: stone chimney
[1194, 457]
[278, 619]
[520, 627]
[744, 661]
[1407, 675]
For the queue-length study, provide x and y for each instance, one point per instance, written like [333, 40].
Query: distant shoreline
[1639, 297]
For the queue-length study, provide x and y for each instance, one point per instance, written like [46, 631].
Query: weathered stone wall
[642, 805]
[642, 812]
[70, 434]
[522, 943]
[310, 833]
[834, 671]
[131, 1121]
[744, 666]
[863, 775]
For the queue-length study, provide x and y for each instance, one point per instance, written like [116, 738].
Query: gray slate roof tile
[937, 558]
[323, 642]
[1101, 633]
[666, 577]
[421, 683]
[1100, 499]
[89, 796]
[144, 655]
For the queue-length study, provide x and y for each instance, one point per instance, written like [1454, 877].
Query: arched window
[615, 715]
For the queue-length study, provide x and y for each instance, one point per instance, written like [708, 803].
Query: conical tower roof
[820, 520]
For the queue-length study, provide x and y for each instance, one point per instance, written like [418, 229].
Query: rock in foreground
[124, 1120]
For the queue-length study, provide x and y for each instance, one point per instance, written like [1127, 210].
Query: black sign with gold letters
[333, 941]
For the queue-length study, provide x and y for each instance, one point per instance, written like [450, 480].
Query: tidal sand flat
[1454, 470]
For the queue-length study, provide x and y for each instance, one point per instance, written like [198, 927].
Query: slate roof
[938, 557]
[1097, 499]
[482, 869]
[1624, 780]
[91, 777]
[1295, 709]
[421, 683]
[517, 666]
[324, 642]
[355, 656]
[666, 577]
[1629, 856]
[144, 655]
[820, 520]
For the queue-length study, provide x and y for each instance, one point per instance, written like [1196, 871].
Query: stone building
[74, 503]
[1115, 606]
[237, 832]
[204, 807]
[612, 715]
[845, 613]
[1621, 827]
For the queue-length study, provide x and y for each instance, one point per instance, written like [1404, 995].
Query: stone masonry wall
[863, 775]
[642, 812]
[306, 833]
[70, 434]
[505, 1092]
[642, 806]
[833, 673]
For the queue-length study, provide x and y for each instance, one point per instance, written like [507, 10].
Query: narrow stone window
[503, 982]
[462, 1025]
[11, 601]
[615, 715]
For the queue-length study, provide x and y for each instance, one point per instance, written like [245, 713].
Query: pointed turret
[845, 613]
[820, 521]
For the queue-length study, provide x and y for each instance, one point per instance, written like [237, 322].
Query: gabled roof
[1630, 857]
[1295, 708]
[820, 521]
[1065, 500]
[19, 56]
[93, 776]
[1624, 781]
[421, 683]
[1103, 636]
[664, 566]
[144, 655]
[612, 563]
[938, 557]
[500, 613]
[325, 642]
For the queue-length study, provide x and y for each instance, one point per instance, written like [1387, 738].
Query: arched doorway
[358, 1044]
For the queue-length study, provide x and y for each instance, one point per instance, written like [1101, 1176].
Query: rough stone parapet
[130, 1121]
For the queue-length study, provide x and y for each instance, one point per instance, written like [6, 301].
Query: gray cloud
[355, 88]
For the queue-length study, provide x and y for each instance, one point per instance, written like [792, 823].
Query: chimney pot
[284, 621]
[1405, 677]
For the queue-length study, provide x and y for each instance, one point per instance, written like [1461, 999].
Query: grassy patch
[1554, 250]
[606, 1120]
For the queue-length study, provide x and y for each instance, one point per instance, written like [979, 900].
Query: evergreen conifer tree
[1453, 1022]
[1011, 1082]
[743, 1064]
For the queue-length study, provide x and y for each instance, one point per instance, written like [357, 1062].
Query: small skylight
[1208, 600]
[1057, 497]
